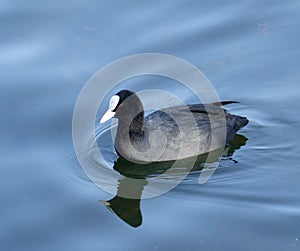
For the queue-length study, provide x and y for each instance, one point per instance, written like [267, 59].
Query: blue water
[249, 50]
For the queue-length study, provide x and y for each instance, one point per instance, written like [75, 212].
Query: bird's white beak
[108, 115]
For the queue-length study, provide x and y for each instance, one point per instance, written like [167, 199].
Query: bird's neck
[131, 127]
[136, 126]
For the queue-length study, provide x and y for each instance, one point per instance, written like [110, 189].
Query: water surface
[249, 51]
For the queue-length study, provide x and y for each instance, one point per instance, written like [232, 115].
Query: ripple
[107, 169]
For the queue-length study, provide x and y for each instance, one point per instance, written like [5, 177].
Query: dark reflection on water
[125, 208]
[128, 209]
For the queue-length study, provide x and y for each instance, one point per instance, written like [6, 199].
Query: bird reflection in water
[135, 181]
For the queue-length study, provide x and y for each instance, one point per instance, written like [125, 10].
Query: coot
[170, 133]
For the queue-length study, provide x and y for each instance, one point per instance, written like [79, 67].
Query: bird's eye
[114, 102]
